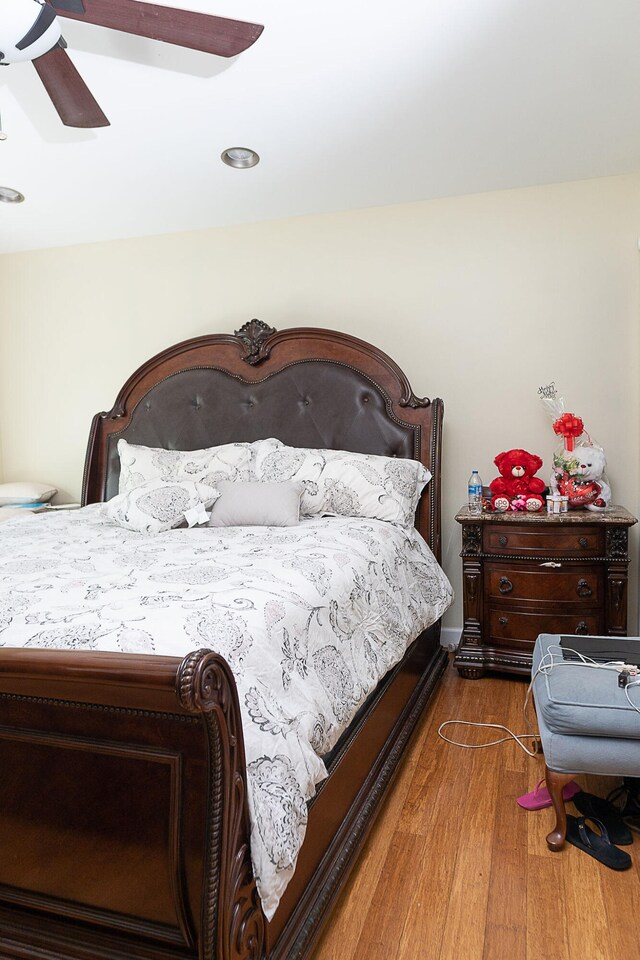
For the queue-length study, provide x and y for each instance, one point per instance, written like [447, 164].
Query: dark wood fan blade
[69, 93]
[198, 31]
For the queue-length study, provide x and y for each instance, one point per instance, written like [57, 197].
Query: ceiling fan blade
[198, 31]
[69, 93]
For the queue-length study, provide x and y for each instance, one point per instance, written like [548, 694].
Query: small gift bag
[579, 464]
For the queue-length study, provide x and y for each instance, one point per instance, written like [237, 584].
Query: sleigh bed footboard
[123, 818]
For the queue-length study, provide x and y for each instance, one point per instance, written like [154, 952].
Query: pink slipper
[540, 798]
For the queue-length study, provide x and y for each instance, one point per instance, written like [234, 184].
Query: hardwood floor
[455, 868]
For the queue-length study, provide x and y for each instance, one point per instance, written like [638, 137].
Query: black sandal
[603, 810]
[626, 798]
[597, 845]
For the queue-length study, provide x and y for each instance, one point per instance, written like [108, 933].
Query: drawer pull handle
[503, 620]
[583, 542]
[582, 627]
[583, 589]
[505, 585]
[550, 563]
[503, 541]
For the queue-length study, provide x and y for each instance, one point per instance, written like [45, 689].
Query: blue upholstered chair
[587, 724]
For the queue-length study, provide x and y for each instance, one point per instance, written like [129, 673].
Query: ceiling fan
[30, 30]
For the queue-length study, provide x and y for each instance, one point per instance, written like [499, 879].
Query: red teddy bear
[517, 488]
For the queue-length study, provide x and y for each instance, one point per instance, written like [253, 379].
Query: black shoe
[627, 799]
[596, 842]
[595, 808]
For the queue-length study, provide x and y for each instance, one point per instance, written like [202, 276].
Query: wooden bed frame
[123, 817]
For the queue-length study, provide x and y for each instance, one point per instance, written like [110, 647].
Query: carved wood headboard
[308, 387]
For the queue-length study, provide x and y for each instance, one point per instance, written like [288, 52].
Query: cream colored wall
[480, 299]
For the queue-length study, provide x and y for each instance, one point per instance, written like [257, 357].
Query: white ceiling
[350, 103]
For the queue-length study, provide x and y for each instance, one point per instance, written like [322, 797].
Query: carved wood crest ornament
[252, 336]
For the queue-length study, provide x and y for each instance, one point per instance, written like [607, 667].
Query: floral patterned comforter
[308, 617]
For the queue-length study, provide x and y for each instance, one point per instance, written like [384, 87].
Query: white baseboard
[450, 637]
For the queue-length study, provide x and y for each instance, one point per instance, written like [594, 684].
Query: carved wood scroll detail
[471, 540]
[616, 593]
[252, 336]
[471, 583]
[411, 400]
[233, 925]
[617, 542]
[246, 932]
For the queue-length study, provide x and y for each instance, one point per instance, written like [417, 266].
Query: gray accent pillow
[256, 504]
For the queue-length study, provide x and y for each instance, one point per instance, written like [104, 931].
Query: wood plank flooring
[455, 869]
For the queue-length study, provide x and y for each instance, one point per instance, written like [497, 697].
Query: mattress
[309, 618]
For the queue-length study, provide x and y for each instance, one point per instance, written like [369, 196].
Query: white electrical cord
[518, 737]
[546, 665]
[634, 683]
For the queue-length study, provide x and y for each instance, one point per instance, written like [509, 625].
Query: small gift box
[557, 503]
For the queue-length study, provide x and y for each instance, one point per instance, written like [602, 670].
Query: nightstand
[530, 573]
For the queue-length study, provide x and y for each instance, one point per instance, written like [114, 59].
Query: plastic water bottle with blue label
[475, 493]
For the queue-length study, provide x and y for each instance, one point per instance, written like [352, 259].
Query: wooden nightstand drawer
[552, 541]
[564, 583]
[507, 627]
[526, 574]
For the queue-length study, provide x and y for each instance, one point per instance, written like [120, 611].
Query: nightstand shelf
[530, 573]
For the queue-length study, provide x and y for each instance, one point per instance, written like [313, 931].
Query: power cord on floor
[518, 737]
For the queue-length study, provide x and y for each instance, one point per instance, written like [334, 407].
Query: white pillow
[25, 493]
[257, 504]
[158, 505]
[341, 483]
[230, 461]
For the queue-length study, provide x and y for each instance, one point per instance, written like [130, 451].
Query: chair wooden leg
[556, 782]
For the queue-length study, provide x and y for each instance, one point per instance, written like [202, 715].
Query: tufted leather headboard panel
[312, 403]
[308, 388]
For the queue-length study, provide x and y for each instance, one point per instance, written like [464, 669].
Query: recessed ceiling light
[239, 157]
[8, 195]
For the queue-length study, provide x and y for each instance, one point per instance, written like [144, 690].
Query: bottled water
[475, 493]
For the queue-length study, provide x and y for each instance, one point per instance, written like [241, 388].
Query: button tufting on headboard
[310, 387]
[337, 420]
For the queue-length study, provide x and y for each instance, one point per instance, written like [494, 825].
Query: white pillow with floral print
[158, 505]
[230, 461]
[345, 484]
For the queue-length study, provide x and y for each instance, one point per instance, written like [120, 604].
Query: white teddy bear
[579, 474]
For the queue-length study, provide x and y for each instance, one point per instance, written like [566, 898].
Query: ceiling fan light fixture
[28, 29]
[9, 195]
[240, 157]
